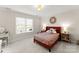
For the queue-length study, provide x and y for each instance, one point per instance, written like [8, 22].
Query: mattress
[47, 38]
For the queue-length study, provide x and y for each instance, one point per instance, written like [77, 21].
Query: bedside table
[65, 37]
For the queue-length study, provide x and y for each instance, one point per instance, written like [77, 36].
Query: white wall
[8, 18]
[71, 18]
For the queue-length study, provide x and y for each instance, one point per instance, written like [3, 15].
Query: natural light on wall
[39, 7]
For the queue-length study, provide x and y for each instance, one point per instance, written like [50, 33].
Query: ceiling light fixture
[39, 7]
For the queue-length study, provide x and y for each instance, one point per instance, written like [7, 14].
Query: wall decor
[52, 20]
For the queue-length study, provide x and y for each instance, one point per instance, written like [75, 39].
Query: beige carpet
[27, 46]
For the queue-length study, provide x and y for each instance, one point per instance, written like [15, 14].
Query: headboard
[57, 28]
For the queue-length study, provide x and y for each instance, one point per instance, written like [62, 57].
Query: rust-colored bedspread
[47, 38]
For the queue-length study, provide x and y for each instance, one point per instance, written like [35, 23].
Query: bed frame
[58, 30]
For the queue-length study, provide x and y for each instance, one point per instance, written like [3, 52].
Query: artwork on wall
[52, 20]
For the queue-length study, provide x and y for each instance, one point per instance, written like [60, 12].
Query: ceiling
[48, 10]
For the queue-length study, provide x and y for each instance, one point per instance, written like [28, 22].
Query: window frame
[25, 31]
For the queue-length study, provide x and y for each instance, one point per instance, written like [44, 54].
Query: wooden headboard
[57, 28]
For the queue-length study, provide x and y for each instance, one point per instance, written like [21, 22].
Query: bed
[46, 39]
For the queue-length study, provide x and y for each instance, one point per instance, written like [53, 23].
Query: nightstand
[65, 37]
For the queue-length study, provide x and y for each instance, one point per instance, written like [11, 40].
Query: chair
[0, 46]
[4, 34]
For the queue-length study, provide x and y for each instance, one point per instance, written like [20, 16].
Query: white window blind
[23, 25]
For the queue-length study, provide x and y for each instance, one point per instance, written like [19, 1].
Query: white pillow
[53, 30]
[48, 31]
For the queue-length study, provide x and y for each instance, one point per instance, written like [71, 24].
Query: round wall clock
[52, 20]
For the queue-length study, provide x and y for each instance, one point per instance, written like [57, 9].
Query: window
[23, 25]
[29, 26]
